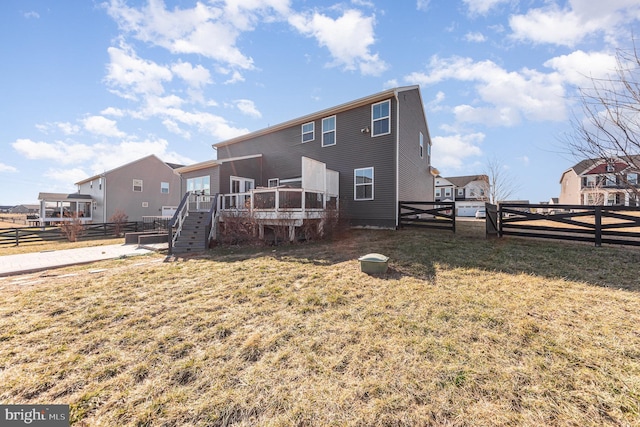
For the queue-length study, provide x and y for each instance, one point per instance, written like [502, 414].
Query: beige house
[601, 182]
[470, 192]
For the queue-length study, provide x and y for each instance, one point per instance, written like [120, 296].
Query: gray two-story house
[363, 156]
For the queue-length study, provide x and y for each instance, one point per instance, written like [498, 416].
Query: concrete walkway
[38, 261]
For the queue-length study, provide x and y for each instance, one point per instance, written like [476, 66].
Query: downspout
[104, 198]
[397, 156]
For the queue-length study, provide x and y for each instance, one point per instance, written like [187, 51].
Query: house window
[363, 184]
[308, 132]
[428, 149]
[164, 187]
[99, 183]
[200, 184]
[381, 118]
[632, 178]
[137, 185]
[438, 192]
[447, 192]
[274, 182]
[460, 191]
[421, 145]
[610, 180]
[329, 131]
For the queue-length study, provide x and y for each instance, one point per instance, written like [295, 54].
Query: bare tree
[609, 127]
[502, 185]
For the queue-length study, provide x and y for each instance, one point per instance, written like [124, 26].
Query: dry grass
[57, 245]
[460, 331]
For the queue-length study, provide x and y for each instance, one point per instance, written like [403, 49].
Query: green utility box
[374, 263]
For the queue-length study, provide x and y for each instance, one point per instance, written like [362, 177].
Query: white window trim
[313, 132]
[162, 188]
[133, 187]
[243, 184]
[335, 134]
[355, 184]
[373, 134]
[421, 145]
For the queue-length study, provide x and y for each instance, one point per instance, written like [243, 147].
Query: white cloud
[100, 125]
[112, 111]
[66, 176]
[7, 168]
[31, 15]
[423, 5]
[578, 68]
[482, 7]
[505, 97]
[58, 151]
[132, 76]
[248, 107]
[197, 76]
[451, 151]
[206, 29]
[348, 39]
[64, 127]
[476, 37]
[577, 20]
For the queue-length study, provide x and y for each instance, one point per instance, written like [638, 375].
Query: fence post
[17, 237]
[399, 225]
[598, 224]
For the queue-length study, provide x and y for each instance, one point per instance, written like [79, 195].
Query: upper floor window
[137, 185]
[329, 131]
[421, 145]
[164, 187]
[381, 118]
[460, 191]
[363, 184]
[447, 192]
[438, 192]
[308, 132]
[428, 149]
[610, 179]
[632, 178]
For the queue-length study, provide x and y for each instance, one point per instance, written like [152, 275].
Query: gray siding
[415, 179]
[118, 185]
[282, 152]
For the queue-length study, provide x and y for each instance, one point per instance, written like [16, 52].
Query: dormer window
[611, 167]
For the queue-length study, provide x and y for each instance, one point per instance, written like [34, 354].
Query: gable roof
[213, 163]
[462, 181]
[380, 96]
[585, 165]
[92, 178]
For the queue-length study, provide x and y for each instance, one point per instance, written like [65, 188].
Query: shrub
[72, 228]
[119, 219]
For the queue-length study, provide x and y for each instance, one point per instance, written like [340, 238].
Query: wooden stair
[193, 237]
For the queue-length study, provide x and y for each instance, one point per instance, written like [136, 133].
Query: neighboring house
[469, 192]
[601, 182]
[365, 155]
[25, 209]
[144, 187]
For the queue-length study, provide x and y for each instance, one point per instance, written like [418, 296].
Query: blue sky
[90, 85]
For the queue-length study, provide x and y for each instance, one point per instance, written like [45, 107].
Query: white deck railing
[277, 202]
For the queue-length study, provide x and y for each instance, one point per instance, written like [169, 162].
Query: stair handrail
[211, 223]
[177, 221]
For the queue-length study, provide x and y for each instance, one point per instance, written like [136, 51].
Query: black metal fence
[599, 225]
[440, 215]
[21, 235]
